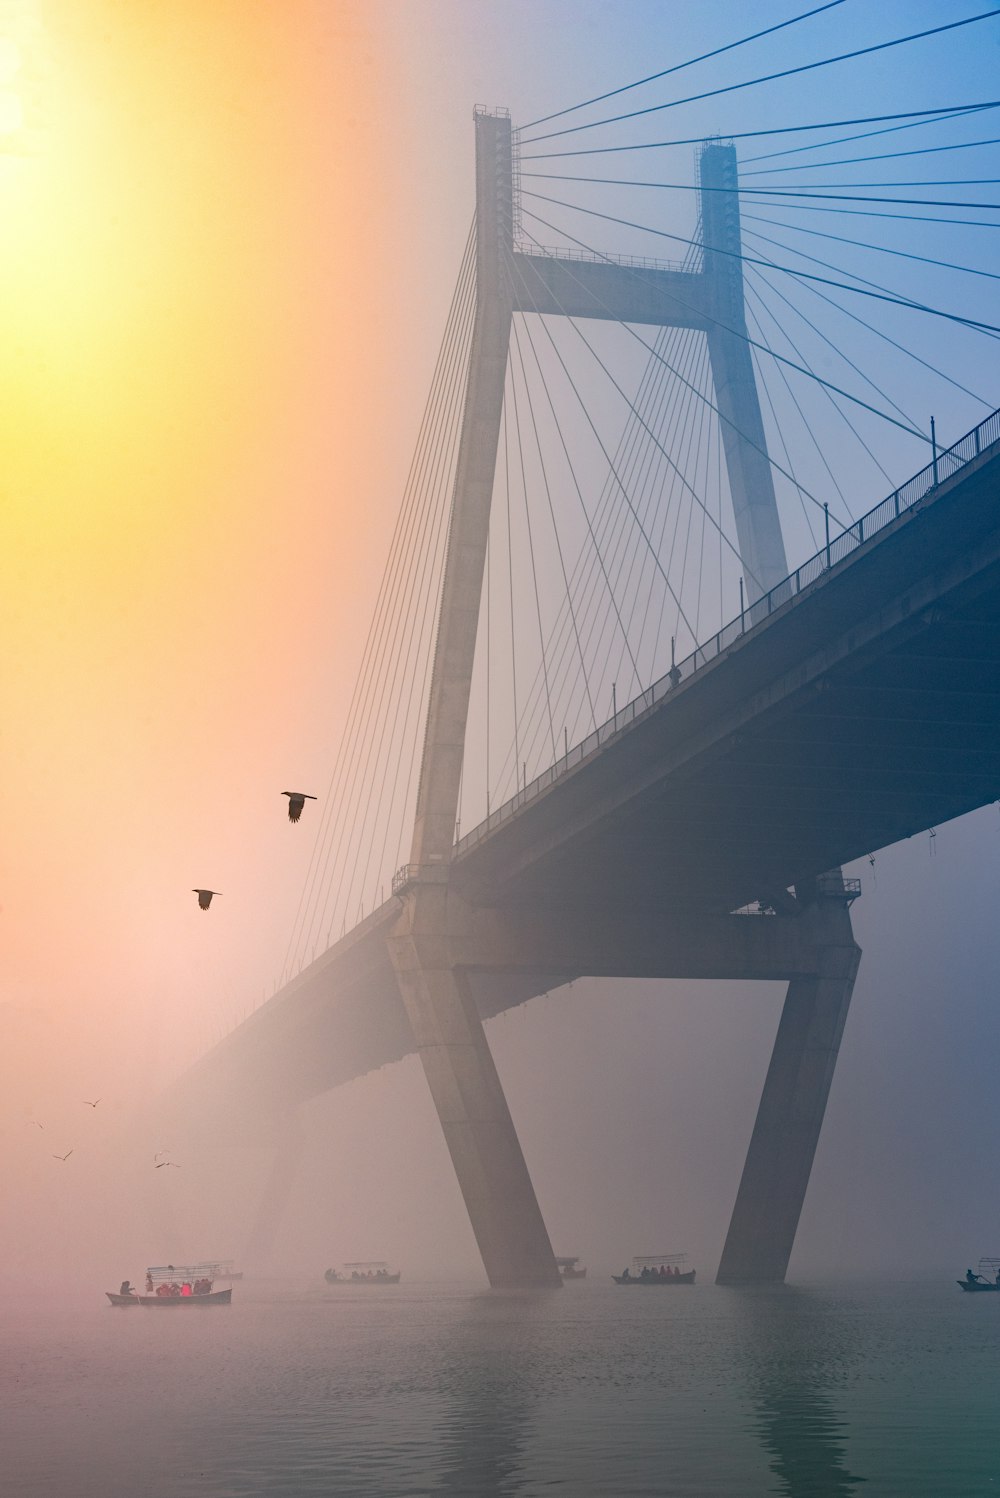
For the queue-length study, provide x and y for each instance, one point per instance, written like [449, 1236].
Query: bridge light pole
[934, 452]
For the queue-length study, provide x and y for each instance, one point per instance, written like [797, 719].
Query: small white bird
[296, 801]
[205, 897]
[63, 1157]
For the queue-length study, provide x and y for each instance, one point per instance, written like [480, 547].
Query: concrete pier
[783, 1143]
[447, 1029]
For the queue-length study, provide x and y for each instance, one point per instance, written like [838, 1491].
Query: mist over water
[592, 1391]
[228, 238]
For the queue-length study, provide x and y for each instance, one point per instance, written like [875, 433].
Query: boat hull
[964, 1285]
[675, 1279]
[387, 1279]
[215, 1298]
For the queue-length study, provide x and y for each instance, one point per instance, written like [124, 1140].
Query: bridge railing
[592, 257]
[941, 467]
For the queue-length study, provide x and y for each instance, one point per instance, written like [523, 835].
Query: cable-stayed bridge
[699, 827]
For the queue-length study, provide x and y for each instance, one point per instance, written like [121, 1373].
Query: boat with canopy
[363, 1272]
[657, 1269]
[173, 1285]
[219, 1269]
[571, 1269]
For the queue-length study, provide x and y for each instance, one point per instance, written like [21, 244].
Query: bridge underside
[864, 711]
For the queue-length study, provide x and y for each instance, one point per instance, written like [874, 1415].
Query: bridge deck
[863, 709]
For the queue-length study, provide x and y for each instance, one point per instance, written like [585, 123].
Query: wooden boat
[363, 1272]
[645, 1270]
[571, 1269]
[987, 1279]
[210, 1298]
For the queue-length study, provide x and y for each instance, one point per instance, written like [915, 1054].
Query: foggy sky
[229, 254]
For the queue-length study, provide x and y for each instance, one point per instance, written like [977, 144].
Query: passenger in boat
[997, 1280]
[125, 1288]
[625, 1274]
[972, 1278]
[149, 1283]
[186, 1288]
[163, 1290]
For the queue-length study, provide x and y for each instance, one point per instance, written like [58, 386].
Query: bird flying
[89, 1103]
[166, 1162]
[296, 801]
[63, 1157]
[205, 897]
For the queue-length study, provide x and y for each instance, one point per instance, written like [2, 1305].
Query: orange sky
[229, 230]
[194, 263]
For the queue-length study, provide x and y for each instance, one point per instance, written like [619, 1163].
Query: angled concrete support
[779, 1161]
[446, 1026]
[785, 1135]
[467, 1093]
[277, 1189]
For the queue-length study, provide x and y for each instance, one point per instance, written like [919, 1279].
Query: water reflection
[795, 1351]
[491, 1415]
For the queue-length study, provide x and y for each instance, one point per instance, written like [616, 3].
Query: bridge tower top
[751, 484]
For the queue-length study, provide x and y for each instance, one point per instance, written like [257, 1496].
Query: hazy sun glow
[172, 229]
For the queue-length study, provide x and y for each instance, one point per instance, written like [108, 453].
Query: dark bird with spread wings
[296, 801]
[63, 1157]
[205, 897]
[89, 1103]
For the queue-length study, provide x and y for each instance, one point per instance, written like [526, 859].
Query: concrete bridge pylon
[437, 938]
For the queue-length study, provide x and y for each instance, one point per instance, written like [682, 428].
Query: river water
[592, 1390]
